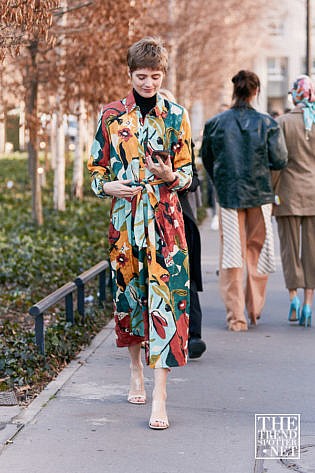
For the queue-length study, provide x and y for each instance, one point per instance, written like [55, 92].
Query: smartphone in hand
[163, 155]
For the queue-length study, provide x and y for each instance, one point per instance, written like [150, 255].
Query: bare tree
[2, 114]
[76, 51]
[208, 42]
[94, 66]
[91, 67]
[26, 24]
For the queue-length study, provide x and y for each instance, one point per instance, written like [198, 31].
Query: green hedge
[24, 369]
[34, 261]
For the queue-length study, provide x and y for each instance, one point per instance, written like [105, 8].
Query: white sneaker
[214, 223]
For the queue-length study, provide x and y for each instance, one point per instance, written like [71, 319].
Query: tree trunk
[77, 182]
[22, 127]
[91, 125]
[60, 164]
[31, 122]
[53, 140]
[172, 57]
[2, 117]
[2, 130]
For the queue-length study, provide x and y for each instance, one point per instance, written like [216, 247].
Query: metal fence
[102, 270]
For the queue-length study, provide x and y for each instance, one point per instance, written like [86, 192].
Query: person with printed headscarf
[295, 212]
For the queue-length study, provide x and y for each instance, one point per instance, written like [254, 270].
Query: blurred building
[284, 56]
[279, 57]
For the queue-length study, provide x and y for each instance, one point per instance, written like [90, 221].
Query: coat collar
[160, 109]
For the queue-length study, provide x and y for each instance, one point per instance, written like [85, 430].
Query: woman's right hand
[121, 189]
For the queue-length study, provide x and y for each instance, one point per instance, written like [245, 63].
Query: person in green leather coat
[240, 148]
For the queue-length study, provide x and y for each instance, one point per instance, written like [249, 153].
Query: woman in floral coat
[148, 251]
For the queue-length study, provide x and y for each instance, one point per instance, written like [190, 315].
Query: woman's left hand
[161, 169]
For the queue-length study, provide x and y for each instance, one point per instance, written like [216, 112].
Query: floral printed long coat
[148, 250]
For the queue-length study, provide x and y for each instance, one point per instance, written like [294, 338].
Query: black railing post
[39, 333]
[84, 278]
[69, 308]
[102, 288]
[38, 310]
[109, 282]
[80, 286]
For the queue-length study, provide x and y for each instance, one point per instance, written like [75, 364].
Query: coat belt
[144, 216]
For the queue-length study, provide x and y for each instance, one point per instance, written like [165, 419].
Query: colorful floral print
[148, 253]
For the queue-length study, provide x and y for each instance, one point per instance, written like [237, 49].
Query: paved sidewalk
[82, 423]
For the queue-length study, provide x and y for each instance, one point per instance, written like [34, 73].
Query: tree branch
[63, 11]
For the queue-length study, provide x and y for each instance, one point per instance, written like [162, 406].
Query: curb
[16, 421]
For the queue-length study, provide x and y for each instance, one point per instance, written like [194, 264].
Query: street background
[81, 422]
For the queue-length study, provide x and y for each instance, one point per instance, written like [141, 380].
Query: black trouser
[195, 312]
[193, 243]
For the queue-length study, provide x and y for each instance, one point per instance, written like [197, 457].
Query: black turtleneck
[144, 103]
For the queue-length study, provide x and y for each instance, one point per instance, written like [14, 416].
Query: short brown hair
[148, 52]
[245, 84]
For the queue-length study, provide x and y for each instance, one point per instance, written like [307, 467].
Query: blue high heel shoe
[294, 312]
[306, 316]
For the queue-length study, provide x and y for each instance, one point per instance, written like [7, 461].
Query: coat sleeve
[99, 162]
[206, 151]
[277, 150]
[182, 157]
[195, 183]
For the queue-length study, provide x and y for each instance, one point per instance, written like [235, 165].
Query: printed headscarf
[303, 92]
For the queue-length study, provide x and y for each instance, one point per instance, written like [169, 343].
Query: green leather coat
[239, 149]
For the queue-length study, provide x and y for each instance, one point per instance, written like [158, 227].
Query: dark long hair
[245, 86]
